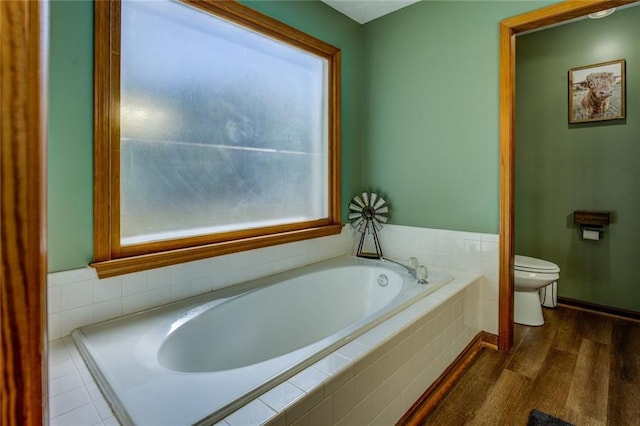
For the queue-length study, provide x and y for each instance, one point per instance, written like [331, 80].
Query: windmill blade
[358, 201]
[356, 224]
[365, 197]
[379, 203]
[372, 199]
[353, 216]
[355, 207]
[370, 227]
[382, 210]
[382, 219]
[377, 225]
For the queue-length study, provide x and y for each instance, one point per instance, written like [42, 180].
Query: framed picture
[597, 92]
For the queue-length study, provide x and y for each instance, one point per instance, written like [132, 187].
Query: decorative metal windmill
[367, 213]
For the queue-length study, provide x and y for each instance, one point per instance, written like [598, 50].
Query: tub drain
[383, 280]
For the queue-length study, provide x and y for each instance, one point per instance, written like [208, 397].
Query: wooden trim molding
[509, 28]
[430, 399]
[126, 265]
[507, 97]
[101, 129]
[23, 326]
[599, 309]
[111, 256]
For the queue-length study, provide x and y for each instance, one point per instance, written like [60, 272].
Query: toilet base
[527, 309]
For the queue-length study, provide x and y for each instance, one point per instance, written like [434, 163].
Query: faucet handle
[413, 263]
[421, 273]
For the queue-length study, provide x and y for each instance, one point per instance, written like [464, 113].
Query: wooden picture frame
[597, 92]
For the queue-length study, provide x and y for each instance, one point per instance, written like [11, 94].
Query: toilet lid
[531, 264]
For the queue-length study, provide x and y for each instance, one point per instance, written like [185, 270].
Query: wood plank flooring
[581, 367]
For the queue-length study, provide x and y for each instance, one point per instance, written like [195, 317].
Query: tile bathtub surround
[77, 297]
[374, 379]
[388, 368]
[74, 397]
[440, 249]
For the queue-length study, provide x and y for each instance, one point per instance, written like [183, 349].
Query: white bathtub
[196, 361]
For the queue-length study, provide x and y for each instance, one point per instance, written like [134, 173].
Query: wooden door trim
[554, 14]
[23, 77]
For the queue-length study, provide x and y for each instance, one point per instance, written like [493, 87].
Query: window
[216, 131]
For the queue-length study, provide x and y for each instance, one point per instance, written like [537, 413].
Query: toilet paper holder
[591, 223]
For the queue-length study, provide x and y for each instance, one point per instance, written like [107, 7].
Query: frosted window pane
[221, 128]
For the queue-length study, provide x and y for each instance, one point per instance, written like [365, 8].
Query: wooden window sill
[130, 264]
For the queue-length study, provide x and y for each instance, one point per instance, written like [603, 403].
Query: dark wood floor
[581, 367]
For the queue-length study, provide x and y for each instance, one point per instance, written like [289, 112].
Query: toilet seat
[531, 264]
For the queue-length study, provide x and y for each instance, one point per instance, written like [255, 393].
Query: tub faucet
[417, 272]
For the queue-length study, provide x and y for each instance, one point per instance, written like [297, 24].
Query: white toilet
[530, 275]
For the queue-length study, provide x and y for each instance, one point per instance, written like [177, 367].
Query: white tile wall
[74, 398]
[451, 250]
[361, 382]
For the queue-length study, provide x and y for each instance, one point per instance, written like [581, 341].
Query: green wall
[70, 145]
[430, 112]
[561, 168]
[70, 164]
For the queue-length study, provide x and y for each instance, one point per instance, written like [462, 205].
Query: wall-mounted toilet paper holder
[591, 223]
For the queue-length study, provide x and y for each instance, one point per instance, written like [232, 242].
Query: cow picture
[596, 92]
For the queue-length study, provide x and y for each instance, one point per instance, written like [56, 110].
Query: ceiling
[363, 11]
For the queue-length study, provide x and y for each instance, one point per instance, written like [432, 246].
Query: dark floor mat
[538, 418]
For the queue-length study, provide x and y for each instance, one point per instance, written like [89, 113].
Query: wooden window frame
[110, 257]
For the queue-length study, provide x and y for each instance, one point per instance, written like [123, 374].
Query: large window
[217, 130]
